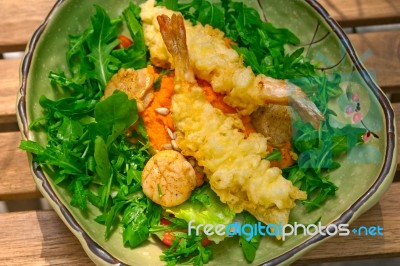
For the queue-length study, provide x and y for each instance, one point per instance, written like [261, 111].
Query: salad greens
[249, 247]
[87, 149]
[185, 247]
[204, 207]
[97, 149]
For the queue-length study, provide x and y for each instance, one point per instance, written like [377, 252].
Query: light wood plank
[21, 18]
[380, 53]
[38, 238]
[9, 86]
[16, 181]
[385, 214]
[352, 13]
[50, 242]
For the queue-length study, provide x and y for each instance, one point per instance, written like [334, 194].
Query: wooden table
[38, 237]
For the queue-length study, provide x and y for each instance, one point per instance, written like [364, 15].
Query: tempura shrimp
[168, 178]
[214, 61]
[232, 162]
[137, 84]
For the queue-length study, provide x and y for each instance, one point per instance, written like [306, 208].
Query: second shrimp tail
[173, 33]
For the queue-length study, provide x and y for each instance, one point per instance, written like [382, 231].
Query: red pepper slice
[125, 41]
[168, 236]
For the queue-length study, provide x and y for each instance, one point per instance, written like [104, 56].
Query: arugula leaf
[135, 223]
[79, 192]
[186, 249]
[136, 55]
[77, 60]
[68, 106]
[175, 224]
[61, 80]
[199, 195]
[318, 151]
[111, 219]
[87, 150]
[211, 14]
[170, 4]
[53, 155]
[101, 42]
[116, 113]
[157, 82]
[275, 155]
[249, 247]
[103, 166]
[70, 129]
[32, 147]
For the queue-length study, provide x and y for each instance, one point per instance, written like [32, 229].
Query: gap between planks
[355, 13]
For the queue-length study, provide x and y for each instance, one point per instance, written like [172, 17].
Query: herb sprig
[88, 150]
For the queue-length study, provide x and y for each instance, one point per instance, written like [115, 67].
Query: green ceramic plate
[365, 174]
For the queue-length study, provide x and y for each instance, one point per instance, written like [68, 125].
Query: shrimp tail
[307, 110]
[173, 33]
[283, 92]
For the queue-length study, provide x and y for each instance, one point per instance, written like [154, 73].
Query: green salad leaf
[249, 247]
[204, 207]
[101, 43]
[274, 155]
[136, 56]
[187, 249]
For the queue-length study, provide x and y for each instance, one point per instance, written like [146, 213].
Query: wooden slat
[384, 214]
[352, 13]
[9, 85]
[19, 19]
[38, 238]
[380, 53]
[50, 242]
[16, 181]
